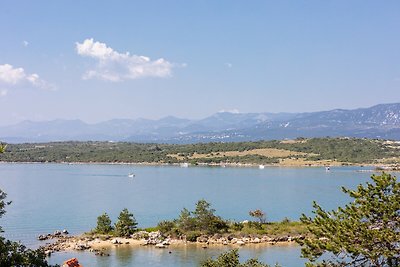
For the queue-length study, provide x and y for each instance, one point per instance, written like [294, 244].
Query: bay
[49, 197]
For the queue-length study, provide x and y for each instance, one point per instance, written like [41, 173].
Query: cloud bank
[114, 66]
[11, 76]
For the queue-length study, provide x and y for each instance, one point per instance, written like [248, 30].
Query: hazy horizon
[181, 117]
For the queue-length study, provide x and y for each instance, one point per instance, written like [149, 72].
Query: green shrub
[165, 227]
[192, 236]
[255, 225]
[236, 226]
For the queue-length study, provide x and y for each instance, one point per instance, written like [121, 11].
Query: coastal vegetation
[103, 225]
[124, 227]
[192, 224]
[314, 151]
[126, 224]
[365, 232]
[201, 223]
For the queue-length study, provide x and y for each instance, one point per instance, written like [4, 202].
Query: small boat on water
[131, 175]
[327, 168]
[261, 167]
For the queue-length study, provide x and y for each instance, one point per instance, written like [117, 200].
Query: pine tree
[126, 224]
[185, 221]
[206, 220]
[365, 232]
[103, 224]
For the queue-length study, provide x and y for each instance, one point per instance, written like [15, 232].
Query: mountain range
[380, 121]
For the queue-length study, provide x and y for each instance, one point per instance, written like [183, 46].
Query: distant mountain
[380, 121]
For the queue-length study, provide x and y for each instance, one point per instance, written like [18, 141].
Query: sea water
[49, 197]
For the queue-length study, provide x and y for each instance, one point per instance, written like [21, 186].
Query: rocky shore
[98, 244]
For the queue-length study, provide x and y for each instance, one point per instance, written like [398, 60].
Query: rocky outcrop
[226, 240]
[156, 239]
[56, 234]
[153, 238]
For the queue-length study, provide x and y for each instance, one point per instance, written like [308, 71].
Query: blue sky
[98, 60]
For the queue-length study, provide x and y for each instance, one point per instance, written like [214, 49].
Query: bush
[165, 227]
[192, 236]
[255, 225]
[237, 226]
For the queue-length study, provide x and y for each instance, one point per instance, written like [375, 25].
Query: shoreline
[101, 244]
[377, 168]
[222, 165]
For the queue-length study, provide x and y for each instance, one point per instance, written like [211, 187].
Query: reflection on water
[189, 255]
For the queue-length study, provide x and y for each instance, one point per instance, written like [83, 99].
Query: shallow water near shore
[190, 255]
[49, 197]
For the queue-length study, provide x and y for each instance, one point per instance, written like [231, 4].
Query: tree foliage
[126, 224]
[16, 254]
[352, 150]
[366, 232]
[103, 224]
[192, 224]
[2, 147]
[3, 204]
[259, 214]
[231, 259]
[185, 221]
[206, 220]
[202, 219]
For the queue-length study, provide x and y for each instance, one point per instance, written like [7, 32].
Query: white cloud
[114, 66]
[12, 76]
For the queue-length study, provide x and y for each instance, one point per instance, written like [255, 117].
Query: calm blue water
[47, 197]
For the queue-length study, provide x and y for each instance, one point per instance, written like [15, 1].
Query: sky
[99, 60]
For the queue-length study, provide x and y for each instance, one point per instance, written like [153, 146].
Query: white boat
[184, 165]
[327, 169]
[131, 175]
[261, 167]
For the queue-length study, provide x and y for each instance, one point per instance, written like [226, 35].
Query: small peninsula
[200, 227]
